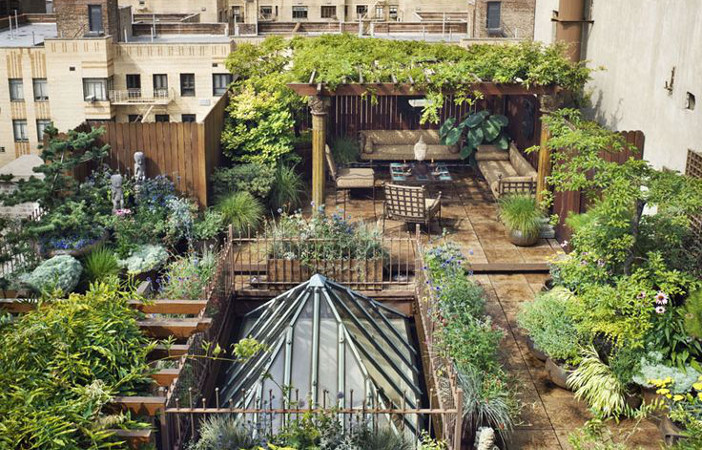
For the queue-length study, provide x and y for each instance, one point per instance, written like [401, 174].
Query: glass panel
[302, 352]
[95, 18]
[328, 374]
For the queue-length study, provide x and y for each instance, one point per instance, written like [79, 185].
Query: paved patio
[549, 413]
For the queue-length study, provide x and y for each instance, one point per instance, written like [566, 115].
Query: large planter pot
[670, 432]
[649, 395]
[282, 271]
[83, 250]
[535, 352]
[521, 239]
[633, 399]
[557, 374]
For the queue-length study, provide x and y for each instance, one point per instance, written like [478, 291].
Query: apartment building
[89, 66]
[651, 76]
[506, 18]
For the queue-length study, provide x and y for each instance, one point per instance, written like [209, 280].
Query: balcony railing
[136, 96]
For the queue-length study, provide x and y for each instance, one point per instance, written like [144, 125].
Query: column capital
[319, 105]
[550, 103]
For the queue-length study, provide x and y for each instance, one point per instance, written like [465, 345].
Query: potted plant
[684, 418]
[553, 333]
[208, 229]
[522, 217]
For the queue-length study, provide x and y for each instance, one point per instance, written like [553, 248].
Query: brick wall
[72, 17]
[517, 17]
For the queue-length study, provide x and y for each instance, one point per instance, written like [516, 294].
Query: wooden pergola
[319, 96]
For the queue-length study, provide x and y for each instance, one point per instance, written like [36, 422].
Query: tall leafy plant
[478, 128]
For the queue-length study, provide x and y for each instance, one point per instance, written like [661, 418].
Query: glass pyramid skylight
[328, 346]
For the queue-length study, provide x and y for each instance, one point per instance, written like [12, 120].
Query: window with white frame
[379, 12]
[392, 12]
[299, 12]
[220, 83]
[42, 124]
[361, 11]
[187, 85]
[16, 90]
[20, 130]
[94, 89]
[160, 85]
[41, 90]
[266, 12]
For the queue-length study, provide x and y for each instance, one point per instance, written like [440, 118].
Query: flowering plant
[685, 407]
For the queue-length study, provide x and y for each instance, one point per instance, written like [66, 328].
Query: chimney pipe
[569, 26]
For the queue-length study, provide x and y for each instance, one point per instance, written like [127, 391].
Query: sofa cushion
[400, 136]
[349, 178]
[520, 164]
[405, 152]
[497, 155]
[492, 170]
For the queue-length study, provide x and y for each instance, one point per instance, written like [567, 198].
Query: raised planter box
[83, 250]
[368, 271]
[535, 352]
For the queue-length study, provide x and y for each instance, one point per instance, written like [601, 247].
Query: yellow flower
[662, 391]
[677, 397]
[699, 395]
[697, 386]
[668, 380]
[668, 396]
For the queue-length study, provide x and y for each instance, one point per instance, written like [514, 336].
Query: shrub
[486, 400]
[181, 217]
[520, 212]
[255, 178]
[100, 264]
[61, 363]
[144, 259]
[209, 226]
[220, 432]
[155, 192]
[551, 326]
[653, 367]
[287, 189]
[60, 272]
[345, 150]
[241, 210]
[693, 315]
[186, 276]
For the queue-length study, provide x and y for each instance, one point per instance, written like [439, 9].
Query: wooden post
[458, 431]
[318, 109]
[547, 104]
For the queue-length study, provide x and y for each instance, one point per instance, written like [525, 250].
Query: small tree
[620, 193]
[61, 157]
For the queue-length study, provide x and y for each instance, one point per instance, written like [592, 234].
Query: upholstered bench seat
[398, 145]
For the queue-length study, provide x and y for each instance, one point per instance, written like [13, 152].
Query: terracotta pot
[670, 432]
[557, 374]
[521, 239]
[649, 395]
[535, 352]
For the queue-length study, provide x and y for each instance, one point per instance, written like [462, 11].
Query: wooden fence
[350, 114]
[575, 202]
[185, 152]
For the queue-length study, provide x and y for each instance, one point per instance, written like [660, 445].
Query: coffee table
[407, 173]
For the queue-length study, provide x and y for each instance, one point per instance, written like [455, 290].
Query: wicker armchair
[410, 204]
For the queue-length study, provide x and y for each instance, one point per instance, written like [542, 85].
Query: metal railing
[136, 96]
[269, 262]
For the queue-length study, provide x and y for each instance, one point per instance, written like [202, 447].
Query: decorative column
[319, 109]
[547, 104]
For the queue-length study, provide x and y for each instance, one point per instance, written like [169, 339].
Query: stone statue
[420, 149]
[139, 167]
[117, 193]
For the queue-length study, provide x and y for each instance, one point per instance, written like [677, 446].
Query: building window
[361, 11]
[392, 12]
[2, 149]
[187, 85]
[134, 86]
[41, 128]
[95, 18]
[94, 89]
[299, 12]
[266, 12]
[188, 118]
[16, 90]
[160, 85]
[163, 118]
[379, 12]
[20, 129]
[220, 83]
[493, 15]
[328, 12]
[41, 90]
[134, 118]
[236, 14]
